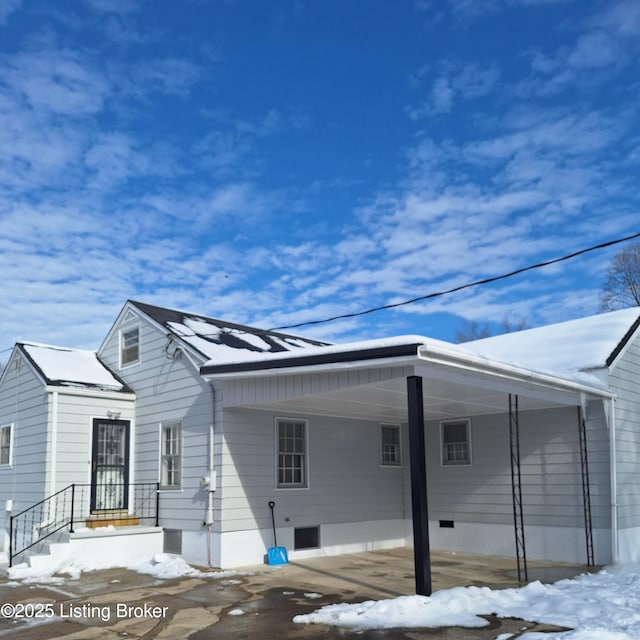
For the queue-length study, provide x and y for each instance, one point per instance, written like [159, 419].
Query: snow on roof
[71, 367]
[222, 341]
[328, 349]
[565, 348]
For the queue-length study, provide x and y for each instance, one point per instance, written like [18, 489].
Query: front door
[110, 465]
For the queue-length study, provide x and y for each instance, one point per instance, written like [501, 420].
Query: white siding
[624, 380]
[346, 481]
[550, 467]
[23, 402]
[74, 433]
[168, 389]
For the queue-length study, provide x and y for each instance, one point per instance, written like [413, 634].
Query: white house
[531, 439]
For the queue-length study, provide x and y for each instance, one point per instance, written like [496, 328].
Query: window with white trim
[456, 442]
[130, 347]
[291, 447]
[6, 444]
[390, 451]
[170, 455]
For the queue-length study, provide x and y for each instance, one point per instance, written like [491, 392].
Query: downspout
[611, 414]
[54, 443]
[211, 480]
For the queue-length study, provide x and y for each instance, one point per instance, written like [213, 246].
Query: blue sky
[277, 162]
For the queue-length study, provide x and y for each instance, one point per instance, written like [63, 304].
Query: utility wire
[468, 285]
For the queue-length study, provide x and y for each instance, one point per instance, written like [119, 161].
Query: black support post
[422, 557]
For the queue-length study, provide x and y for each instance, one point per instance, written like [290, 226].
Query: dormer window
[129, 347]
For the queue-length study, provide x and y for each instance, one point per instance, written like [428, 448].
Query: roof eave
[477, 364]
[403, 353]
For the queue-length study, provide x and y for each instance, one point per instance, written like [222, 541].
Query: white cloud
[55, 81]
[455, 83]
[7, 7]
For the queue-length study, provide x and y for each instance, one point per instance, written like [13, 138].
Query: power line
[468, 285]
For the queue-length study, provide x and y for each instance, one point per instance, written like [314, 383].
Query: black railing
[71, 508]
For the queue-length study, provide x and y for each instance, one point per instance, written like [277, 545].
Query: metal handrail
[71, 506]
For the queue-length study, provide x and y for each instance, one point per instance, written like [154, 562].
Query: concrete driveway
[258, 602]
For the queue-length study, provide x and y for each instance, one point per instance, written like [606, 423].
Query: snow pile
[602, 606]
[165, 567]
[161, 565]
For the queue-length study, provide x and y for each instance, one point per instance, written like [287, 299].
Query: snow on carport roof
[71, 367]
[564, 348]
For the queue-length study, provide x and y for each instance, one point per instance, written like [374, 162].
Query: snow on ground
[160, 565]
[602, 606]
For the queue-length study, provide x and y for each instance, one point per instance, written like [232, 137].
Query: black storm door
[110, 465]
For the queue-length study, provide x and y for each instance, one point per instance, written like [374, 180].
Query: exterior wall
[74, 430]
[624, 379]
[360, 505]
[169, 388]
[353, 498]
[478, 497]
[23, 403]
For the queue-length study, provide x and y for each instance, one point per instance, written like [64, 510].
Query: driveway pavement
[258, 602]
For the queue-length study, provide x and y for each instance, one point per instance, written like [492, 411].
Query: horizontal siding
[346, 480]
[75, 431]
[550, 468]
[624, 381]
[168, 389]
[23, 402]
[347, 483]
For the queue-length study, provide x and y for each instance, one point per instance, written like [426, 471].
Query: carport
[415, 379]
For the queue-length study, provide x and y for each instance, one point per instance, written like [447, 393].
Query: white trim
[91, 393]
[392, 465]
[610, 416]
[54, 443]
[477, 364]
[12, 433]
[169, 423]
[138, 360]
[444, 464]
[307, 483]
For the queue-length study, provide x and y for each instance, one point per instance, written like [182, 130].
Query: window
[390, 445]
[170, 455]
[456, 442]
[5, 444]
[130, 346]
[292, 453]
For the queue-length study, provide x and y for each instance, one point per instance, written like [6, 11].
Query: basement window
[172, 541]
[306, 538]
[456, 442]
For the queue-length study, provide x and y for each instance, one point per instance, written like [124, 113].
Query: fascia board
[90, 393]
[478, 364]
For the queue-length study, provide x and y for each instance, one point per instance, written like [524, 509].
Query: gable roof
[567, 347]
[77, 368]
[221, 341]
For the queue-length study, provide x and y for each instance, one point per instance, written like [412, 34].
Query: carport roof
[458, 382]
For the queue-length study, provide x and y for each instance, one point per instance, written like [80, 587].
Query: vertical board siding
[624, 379]
[168, 389]
[346, 481]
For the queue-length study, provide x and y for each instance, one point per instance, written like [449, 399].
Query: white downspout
[211, 483]
[611, 414]
[54, 443]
